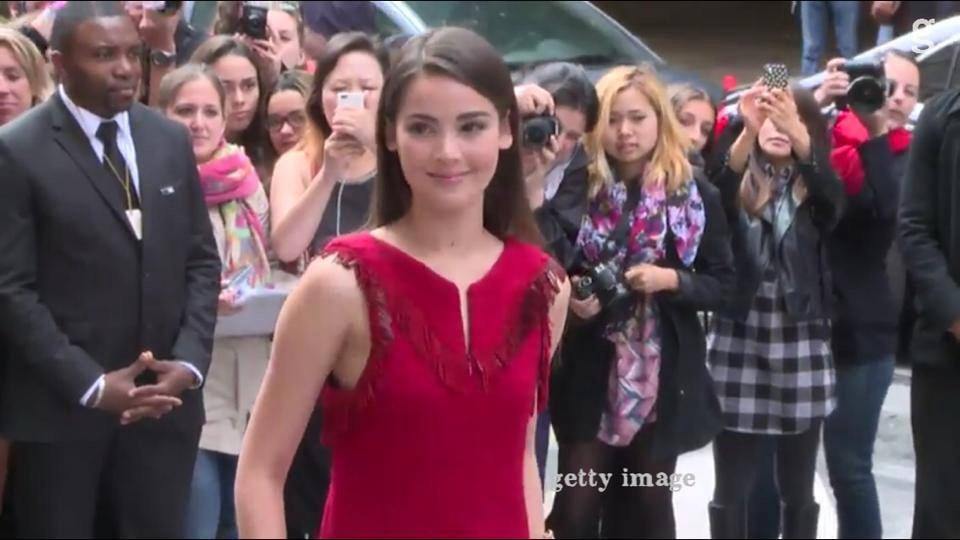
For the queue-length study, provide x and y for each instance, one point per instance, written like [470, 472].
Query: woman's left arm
[532, 488]
[710, 283]
[824, 189]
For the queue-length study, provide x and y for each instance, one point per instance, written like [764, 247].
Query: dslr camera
[868, 87]
[605, 280]
[537, 130]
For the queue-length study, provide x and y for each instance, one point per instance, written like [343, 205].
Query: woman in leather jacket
[769, 348]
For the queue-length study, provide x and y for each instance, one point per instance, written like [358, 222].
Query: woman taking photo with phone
[769, 349]
[323, 187]
[428, 339]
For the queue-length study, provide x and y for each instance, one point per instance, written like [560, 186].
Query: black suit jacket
[929, 229]
[79, 295]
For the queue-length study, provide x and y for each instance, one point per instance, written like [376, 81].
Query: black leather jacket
[801, 254]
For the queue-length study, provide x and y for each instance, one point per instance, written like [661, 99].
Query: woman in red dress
[427, 339]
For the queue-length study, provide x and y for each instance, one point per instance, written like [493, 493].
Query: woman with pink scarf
[239, 212]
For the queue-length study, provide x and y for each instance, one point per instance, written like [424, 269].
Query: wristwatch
[162, 59]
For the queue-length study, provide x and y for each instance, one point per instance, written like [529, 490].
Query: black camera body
[537, 130]
[253, 20]
[868, 86]
[605, 280]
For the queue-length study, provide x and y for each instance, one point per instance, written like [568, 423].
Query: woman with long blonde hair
[631, 390]
[769, 348]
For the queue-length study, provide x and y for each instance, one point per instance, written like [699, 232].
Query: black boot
[799, 521]
[727, 521]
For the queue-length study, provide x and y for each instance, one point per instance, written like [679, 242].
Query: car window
[939, 71]
[535, 32]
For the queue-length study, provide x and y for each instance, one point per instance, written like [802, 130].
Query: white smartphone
[350, 100]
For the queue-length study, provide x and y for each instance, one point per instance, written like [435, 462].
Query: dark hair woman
[236, 66]
[429, 337]
[769, 348]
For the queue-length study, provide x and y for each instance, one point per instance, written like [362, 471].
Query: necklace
[124, 181]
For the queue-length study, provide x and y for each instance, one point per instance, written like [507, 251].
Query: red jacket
[847, 135]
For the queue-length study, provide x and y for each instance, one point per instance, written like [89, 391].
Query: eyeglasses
[296, 119]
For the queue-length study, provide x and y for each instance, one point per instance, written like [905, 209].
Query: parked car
[536, 32]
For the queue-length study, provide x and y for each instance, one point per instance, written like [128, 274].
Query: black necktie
[116, 166]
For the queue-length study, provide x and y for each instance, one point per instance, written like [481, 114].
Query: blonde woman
[631, 391]
[24, 80]
[769, 348]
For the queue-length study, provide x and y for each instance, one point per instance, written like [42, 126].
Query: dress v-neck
[466, 326]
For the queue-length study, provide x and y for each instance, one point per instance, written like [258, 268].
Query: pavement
[893, 470]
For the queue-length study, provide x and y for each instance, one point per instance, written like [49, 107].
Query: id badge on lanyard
[135, 217]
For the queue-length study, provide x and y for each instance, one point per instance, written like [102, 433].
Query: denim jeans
[543, 444]
[848, 439]
[210, 512]
[815, 22]
[885, 33]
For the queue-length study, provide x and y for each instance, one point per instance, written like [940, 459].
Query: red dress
[431, 441]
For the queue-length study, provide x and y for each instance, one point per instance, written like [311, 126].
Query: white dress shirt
[90, 123]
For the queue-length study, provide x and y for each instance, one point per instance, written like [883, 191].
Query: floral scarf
[634, 376]
[228, 180]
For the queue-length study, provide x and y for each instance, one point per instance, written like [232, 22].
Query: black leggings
[737, 457]
[618, 512]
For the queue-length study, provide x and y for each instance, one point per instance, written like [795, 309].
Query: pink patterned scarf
[227, 181]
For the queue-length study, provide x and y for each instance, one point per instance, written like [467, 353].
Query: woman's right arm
[729, 177]
[311, 332]
[295, 210]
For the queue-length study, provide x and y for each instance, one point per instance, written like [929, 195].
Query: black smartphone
[776, 76]
[253, 20]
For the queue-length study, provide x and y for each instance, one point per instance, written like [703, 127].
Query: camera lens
[538, 130]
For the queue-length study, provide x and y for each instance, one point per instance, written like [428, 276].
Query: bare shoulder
[329, 279]
[293, 165]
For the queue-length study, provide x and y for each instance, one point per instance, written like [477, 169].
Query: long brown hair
[756, 190]
[469, 59]
[254, 139]
[668, 162]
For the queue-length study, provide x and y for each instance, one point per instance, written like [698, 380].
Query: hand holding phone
[350, 100]
[776, 76]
